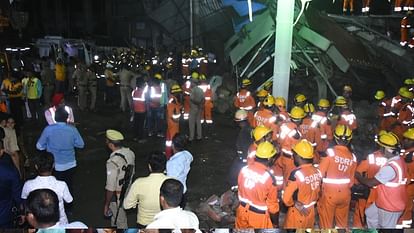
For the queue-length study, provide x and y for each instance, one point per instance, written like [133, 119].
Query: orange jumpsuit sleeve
[323, 165]
[236, 102]
[288, 192]
[352, 174]
[272, 201]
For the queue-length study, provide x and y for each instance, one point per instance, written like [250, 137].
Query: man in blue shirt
[10, 189]
[60, 139]
[178, 165]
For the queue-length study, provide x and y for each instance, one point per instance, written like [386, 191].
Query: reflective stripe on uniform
[247, 201]
[336, 181]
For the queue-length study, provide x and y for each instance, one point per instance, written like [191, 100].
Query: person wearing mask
[390, 181]
[61, 139]
[145, 191]
[172, 215]
[44, 164]
[178, 166]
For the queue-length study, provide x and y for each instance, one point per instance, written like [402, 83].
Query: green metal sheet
[253, 33]
[314, 38]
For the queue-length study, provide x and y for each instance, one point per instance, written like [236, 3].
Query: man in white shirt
[42, 211]
[172, 216]
[44, 166]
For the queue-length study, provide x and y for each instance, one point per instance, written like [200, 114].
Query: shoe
[149, 134]
[160, 135]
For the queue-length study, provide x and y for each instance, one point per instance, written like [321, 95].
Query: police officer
[92, 86]
[120, 158]
[80, 78]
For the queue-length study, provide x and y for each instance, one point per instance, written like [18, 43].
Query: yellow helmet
[194, 75]
[280, 102]
[176, 89]
[340, 101]
[269, 101]
[409, 134]
[407, 94]
[388, 140]
[300, 98]
[408, 81]
[158, 76]
[260, 131]
[147, 67]
[304, 149]
[402, 90]
[262, 93]
[343, 132]
[240, 115]
[323, 103]
[268, 84]
[297, 113]
[379, 95]
[194, 52]
[347, 88]
[246, 82]
[309, 108]
[265, 150]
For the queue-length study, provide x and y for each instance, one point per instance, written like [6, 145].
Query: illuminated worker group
[302, 162]
[398, 6]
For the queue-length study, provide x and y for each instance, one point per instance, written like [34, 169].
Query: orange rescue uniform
[208, 104]
[173, 118]
[244, 100]
[257, 197]
[303, 186]
[186, 87]
[408, 157]
[338, 170]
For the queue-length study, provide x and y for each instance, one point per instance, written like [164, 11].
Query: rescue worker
[266, 116]
[407, 153]
[347, 94]
[203, 65]
[405, 115]
[261, 95]
[257, 191]
[13, 88]
[244, 100]
[289, 135]
[92, 87]
[282, 114]
[81, 80]
[185, 66]
[32, 91]
[300, 100]
[186, 87]
[206, 113]
[173, 117]
[338, 169]
[268, 86]
[368, 168]
[346, 116]
[399, 5]
[302, 190]
[306, 128]
[384, 115]
[244, 140]
[260, 134]
[390, 181]
[139, 96]
[321, 121]
[348, 4]
[156, 106]
[405, 28]
[115, 177]
[196, 105]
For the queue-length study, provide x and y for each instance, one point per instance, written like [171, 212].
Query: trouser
[126, 98]
[155, 117]
[246, 218]
[404, 36]
[379, 218]
[173, 129]
[407, 214]
[206, 115]
[194, 122]
[350, 4]
[92, 92]
[60, 86]
[186, 107]
[121, 221]
[285, 162]
[294, 219]
[71, 82]
[110, 94]
[333, 206]
[398, 6]
[66, 176]
[139, 121]
[16, 110]
[365, 5]
[47, 94]
[34, 106]
[359, 214]
[82, 97]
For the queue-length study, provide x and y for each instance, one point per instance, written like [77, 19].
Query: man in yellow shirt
[145, 191]
[60, 75]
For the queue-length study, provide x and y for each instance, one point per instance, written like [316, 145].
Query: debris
[220, 209]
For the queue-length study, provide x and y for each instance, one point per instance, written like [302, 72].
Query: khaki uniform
[92, 88]
[114, 174]
[125, 89]
[82, 82]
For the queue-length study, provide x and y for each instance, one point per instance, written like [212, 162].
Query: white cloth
[175, 218]
[49, 182]
[178, 166]
[386, 173]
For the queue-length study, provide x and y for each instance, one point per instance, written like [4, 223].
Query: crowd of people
[300, 161]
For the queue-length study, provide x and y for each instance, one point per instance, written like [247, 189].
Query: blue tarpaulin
[241, 6]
